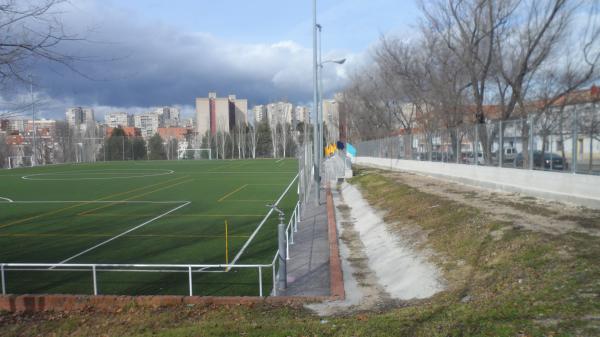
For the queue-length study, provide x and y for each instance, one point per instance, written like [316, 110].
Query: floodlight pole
[33, 161]
[317, 164]
[320, 94]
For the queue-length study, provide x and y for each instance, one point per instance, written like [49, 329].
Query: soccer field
[163, 212]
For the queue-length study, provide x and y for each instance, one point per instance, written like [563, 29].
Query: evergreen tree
[116, 144]
[156, 148]
[264, 148]
[139, 149]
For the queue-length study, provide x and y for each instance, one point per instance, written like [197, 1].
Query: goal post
[194, 154]
[19, 161]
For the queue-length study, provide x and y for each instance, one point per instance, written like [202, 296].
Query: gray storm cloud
[125, 61]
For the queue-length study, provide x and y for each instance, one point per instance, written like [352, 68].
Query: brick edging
[335, 265]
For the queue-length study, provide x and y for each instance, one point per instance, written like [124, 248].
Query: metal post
[190, 280]
[574, 137]
[476, 145]
[320, 95]
[282, 275]
[33, 161]
[94, 279]
[123, 141]
[316, 105]
[501, 145]
[458, 147]
[274, 281]
[3, 279]
[260, 285]
[531, 145]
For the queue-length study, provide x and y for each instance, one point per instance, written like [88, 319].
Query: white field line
[279, 160]
[239, 254]
[243, 172]
[94, 201]
[7, 199]
[124, 233]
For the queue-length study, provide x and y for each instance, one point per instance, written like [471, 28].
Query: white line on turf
[247, 243]
[7, 199]
[122, 234]
[94, 202]
[279, 160]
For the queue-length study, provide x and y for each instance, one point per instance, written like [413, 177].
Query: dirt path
[525, 212]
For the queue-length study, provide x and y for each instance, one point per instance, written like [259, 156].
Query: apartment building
[148, 123]
[214, 114]
[260, 113]
[280, 113]
[80, 118]
[116, 119]
[301, 115]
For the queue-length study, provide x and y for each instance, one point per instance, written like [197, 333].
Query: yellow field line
[137, 196]
[81, 204]
[250, 200]
[233, 192]
[138, 189]
[42, 235]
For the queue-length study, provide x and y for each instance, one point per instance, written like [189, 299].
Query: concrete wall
[578, 189]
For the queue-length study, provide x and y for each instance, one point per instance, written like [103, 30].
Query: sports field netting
[162, 212]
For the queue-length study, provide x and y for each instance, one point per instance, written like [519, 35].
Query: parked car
[510, 153]
[469, 158]
[549, 161]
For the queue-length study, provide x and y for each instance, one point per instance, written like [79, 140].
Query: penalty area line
[247, 243]
[122, 234]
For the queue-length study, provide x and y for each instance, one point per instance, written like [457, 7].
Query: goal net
[194, 154]
[19, 161]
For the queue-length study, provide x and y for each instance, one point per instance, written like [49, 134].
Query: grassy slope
[186, 236]
[518, 283]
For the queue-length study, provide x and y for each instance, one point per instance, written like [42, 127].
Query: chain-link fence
[305, 171]
[23, 150]
[563, 141]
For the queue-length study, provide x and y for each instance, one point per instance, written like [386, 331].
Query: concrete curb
[335, 265]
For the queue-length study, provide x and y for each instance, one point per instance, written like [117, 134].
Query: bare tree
[470, 29]
[274, 138]
[31, 31]
[253, 138]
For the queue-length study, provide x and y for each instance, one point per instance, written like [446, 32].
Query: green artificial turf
[70, 210]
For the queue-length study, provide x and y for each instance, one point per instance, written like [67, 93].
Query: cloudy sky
[144, 53]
